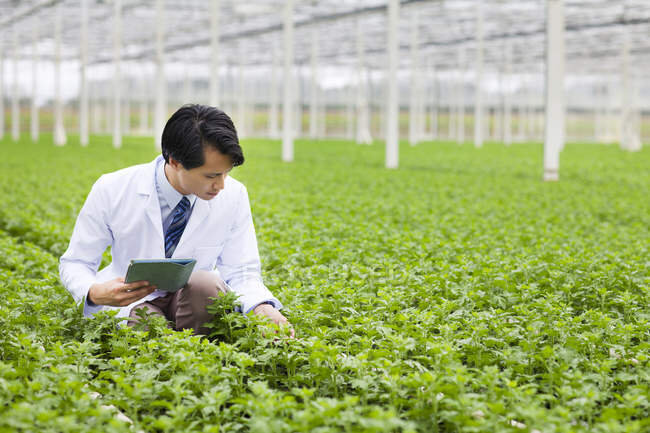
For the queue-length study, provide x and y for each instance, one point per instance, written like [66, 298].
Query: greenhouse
[422, 215]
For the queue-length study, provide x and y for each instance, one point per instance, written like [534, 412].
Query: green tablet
[167, 274]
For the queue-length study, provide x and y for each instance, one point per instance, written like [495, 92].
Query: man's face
[205, 181]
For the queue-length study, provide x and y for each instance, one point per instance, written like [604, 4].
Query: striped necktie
[175, 229]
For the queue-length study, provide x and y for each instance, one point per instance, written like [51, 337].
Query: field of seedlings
[459, 293]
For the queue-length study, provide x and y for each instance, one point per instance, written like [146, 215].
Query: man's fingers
[136, 285]
[136, 295]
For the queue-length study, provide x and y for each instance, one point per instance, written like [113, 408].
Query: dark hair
[194, 126]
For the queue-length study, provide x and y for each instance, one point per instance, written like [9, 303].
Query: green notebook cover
[167, 274]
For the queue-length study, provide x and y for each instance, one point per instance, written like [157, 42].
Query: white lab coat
[122, 211]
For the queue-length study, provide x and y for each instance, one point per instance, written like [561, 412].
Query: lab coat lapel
[147, 187]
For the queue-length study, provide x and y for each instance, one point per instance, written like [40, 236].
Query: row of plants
[457, 294]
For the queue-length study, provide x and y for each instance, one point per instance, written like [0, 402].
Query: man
[181, 205]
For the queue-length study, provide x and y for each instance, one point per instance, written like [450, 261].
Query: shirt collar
[166, 192]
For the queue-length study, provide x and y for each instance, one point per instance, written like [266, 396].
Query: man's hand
[266, 310]
[117, 293]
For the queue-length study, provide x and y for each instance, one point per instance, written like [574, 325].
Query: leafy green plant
[456, 294]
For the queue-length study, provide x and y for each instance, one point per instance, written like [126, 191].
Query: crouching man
[183, 204]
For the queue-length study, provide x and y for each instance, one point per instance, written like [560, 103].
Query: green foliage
[456, 294]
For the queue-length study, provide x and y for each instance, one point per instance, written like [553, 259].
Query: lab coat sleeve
[239, 262]
[90, 238]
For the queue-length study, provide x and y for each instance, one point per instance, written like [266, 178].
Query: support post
[363, 115]
[2, 96]
[214, 50]
[460, 89]
[349, 112]
[596, 103]
[452, 105]
[273, 114]
[160, 112]
[415, 82]
[555, 111]
[392, 106]
[33, 118]
[83, 83]
[288, 101]
[15, 97]
[241, 92]
[630, 137]
[497, 133]
[507, 97]
[478, 104]
[144, 106]
[435, 97]
[313, 85]
[117, 79]
[59, 131]
[127, 86]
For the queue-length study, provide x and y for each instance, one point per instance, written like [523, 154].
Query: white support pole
[415, 83]
[95, 115]
[452, 107]
[313, 85]
[630, 137]
[214, 49]
[478, 104]
[497, 133]
[160, 113]
[127, 85]
[392, 106]
[242, 131]
[108, 112]
[33, 118]
[95, 109]
[595, 103]
[435, 98]
[83, 82]
[612, 133]
[604, 97]
[59, 131]
[322, 114]
[460, 89]
[273, 109]
[363, 135]
[2, 96]
[350, 100]
[117, 78]
[507, 97]
[144, 106]
[15, 97]
[555, 109]
[288, 101]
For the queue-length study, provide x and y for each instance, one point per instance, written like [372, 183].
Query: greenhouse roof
[250, 31]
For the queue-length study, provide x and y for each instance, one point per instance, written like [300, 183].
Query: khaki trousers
[186, 308]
